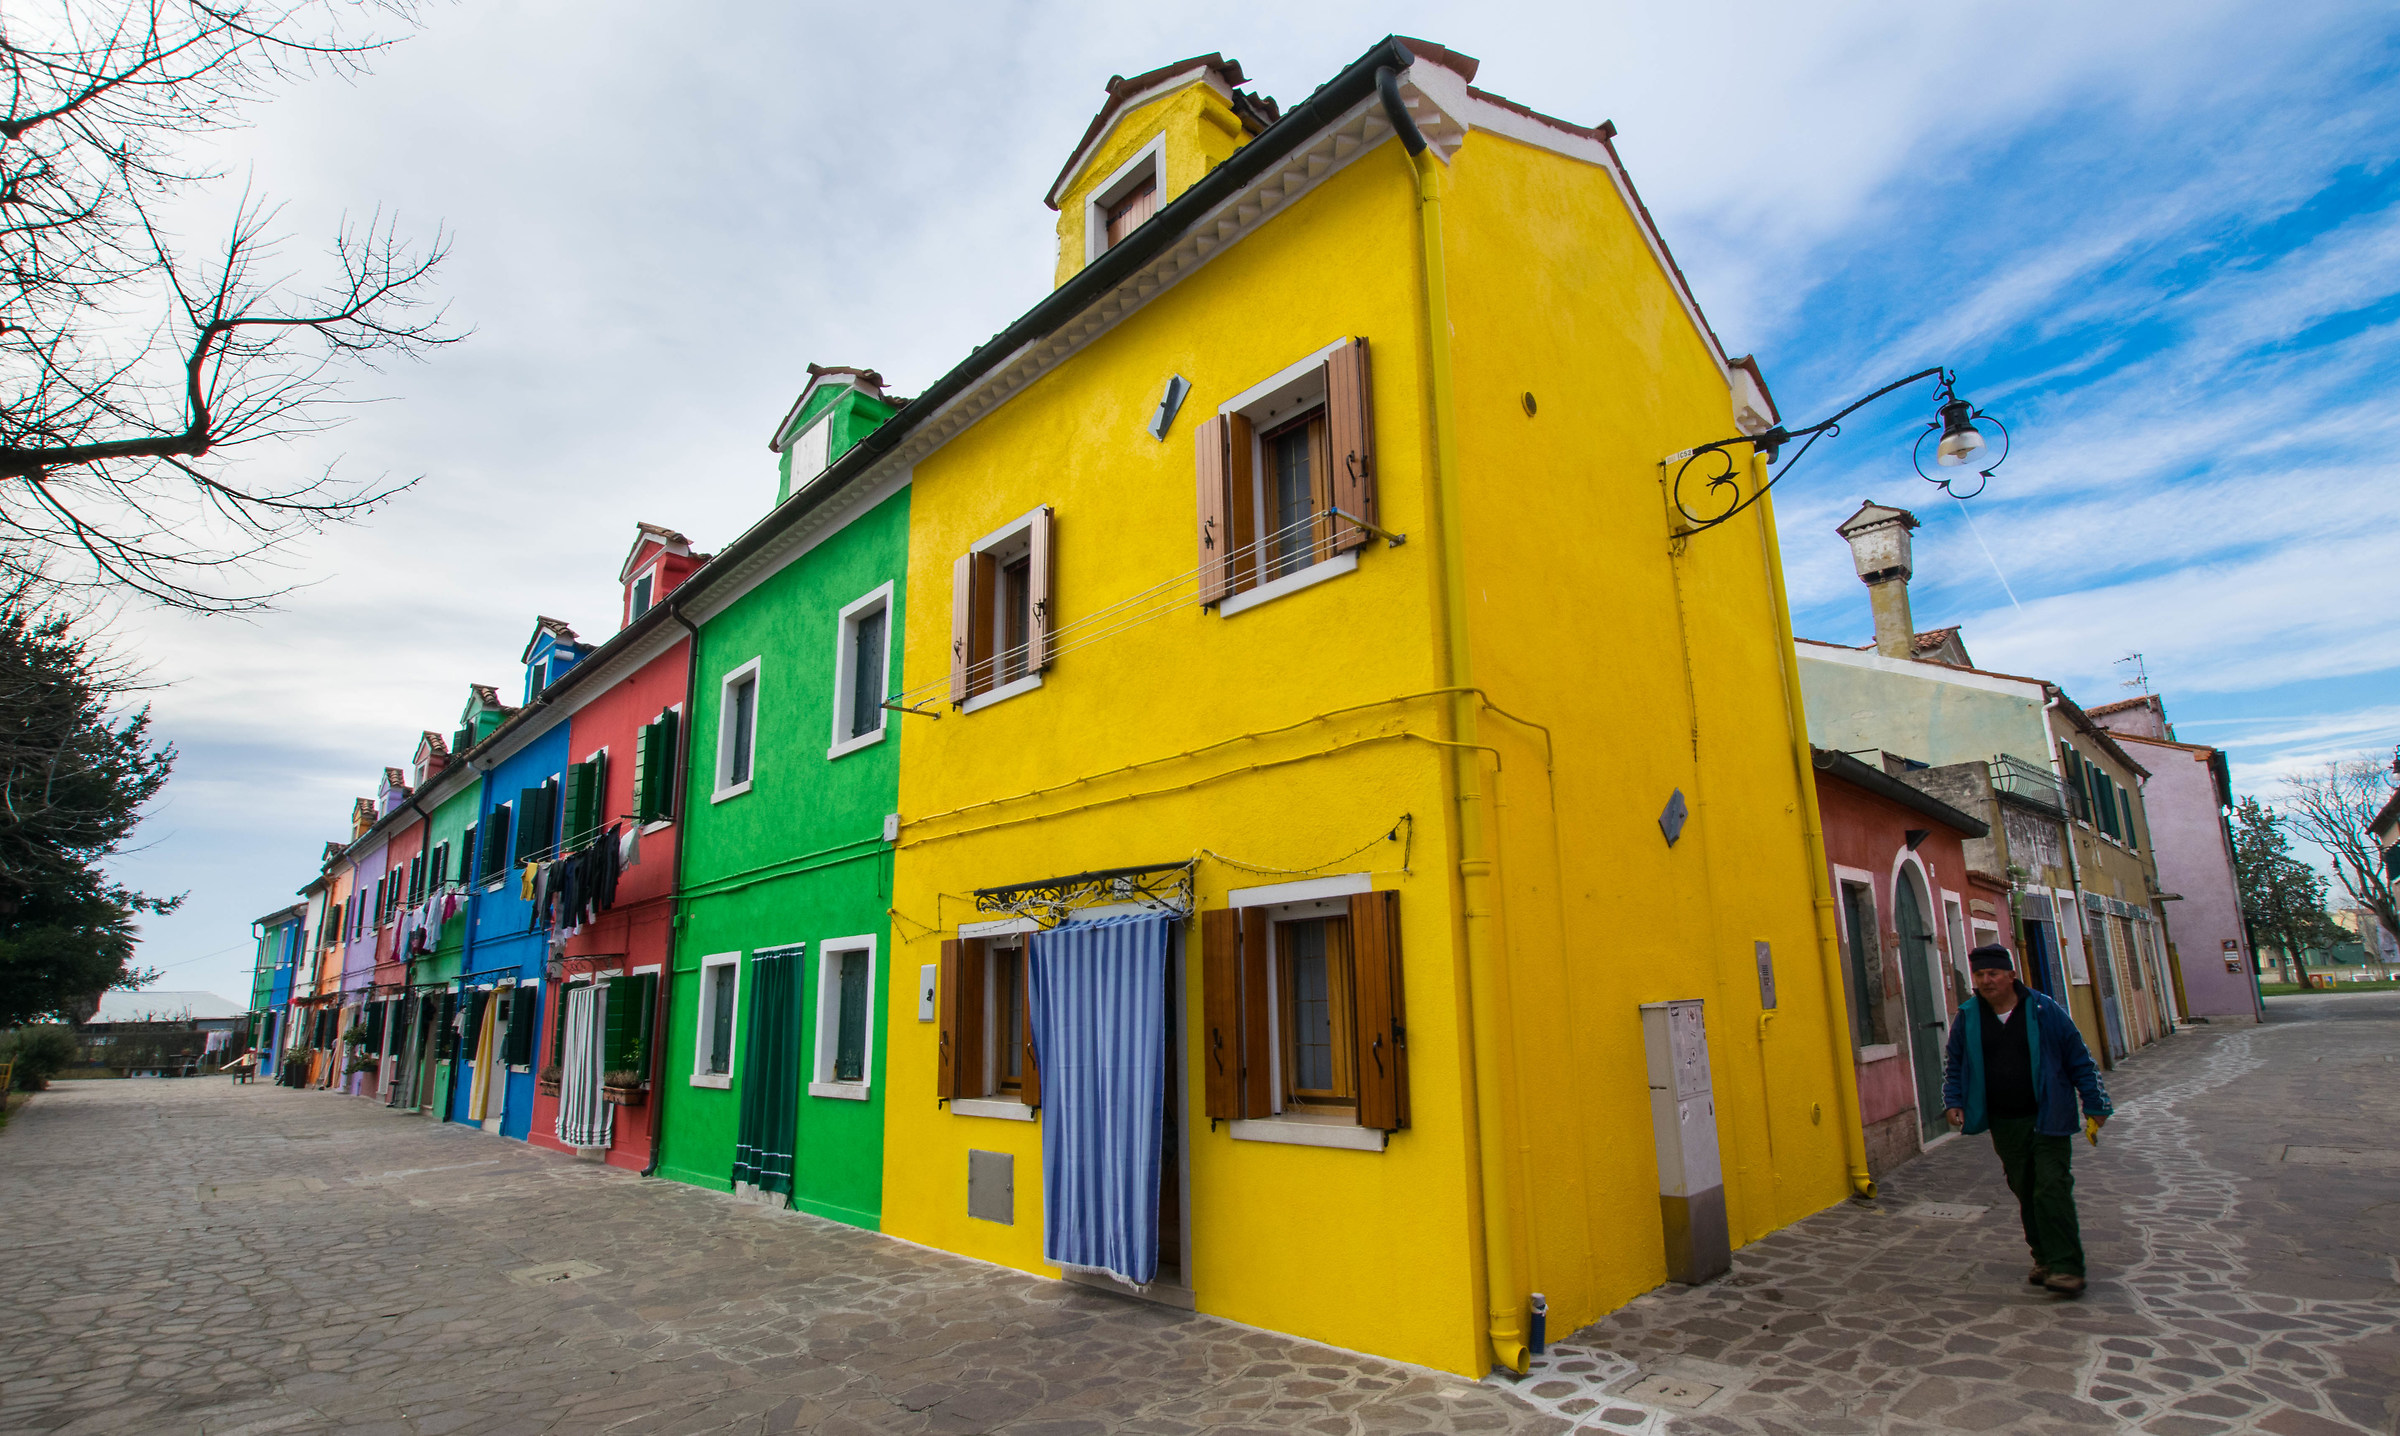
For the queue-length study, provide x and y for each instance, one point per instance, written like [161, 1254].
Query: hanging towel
[525, 888]
[585, 1118]
[1097, 999]
[630, 853]
[770, 1110]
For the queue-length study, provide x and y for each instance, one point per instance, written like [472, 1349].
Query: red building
[625, 709]
[1907, 904]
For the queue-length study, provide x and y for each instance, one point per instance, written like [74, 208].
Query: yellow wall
[1201, 130]
[1388, 1268]
[1577, 623]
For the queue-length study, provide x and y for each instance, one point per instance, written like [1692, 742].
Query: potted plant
[624, 1088]
[547, 1082]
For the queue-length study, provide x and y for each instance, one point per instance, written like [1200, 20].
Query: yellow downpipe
[1495, 1101]
[1812, 827]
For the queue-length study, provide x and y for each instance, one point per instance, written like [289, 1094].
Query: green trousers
[2041, 1172]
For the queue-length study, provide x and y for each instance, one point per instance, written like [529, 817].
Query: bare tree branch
[121, 463]
[2331, 807]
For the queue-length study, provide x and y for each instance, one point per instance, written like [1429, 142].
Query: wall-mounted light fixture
[1721, 494]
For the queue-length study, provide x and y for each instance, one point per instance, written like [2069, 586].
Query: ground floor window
[844, 1047]
[720, 991]
[1304, 1016]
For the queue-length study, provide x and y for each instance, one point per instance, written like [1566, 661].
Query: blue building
[278, 936]
[517, 822]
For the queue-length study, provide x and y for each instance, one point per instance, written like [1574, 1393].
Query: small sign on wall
[1766, 976]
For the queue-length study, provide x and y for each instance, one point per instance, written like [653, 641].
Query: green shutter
[626, 1041]
[661, 769]
[495, 842]
[643, 741]
[586, 802]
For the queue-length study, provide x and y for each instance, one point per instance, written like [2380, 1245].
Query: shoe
[2064, 1284]
[2039, 1275]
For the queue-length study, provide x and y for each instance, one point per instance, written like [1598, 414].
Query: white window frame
[829, 1020]
[1150, 159]
[999, 538]
[1265, 404]
[758, 690]
[701, 1076]
[845, 666]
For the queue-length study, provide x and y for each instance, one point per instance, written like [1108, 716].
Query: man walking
[2016, 1067]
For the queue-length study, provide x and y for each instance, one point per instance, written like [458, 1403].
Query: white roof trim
[1083, 156]
[1822, 652]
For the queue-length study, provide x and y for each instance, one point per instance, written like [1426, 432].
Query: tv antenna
[2141, 672]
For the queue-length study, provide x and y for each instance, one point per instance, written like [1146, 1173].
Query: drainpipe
[1478, 893]
[666, 967]
[1820, 871]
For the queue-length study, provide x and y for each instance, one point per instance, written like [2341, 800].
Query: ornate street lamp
[1962, 445]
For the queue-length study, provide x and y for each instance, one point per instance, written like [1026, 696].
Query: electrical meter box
[1683, 1121]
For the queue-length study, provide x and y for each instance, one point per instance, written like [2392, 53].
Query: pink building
[2187, 797]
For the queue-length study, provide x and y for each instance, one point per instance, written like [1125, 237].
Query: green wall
[1943, 717]
[799, 858]
[859, 415]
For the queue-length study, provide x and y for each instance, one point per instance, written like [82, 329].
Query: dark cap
[1991, 954]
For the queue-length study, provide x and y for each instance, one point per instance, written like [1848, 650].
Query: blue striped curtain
[1098, 994]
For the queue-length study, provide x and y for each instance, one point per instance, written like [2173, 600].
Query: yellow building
[1299, 569]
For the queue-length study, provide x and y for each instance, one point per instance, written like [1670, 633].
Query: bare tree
[135, 374]
[2331, 807]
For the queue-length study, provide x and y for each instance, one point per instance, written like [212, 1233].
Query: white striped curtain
[585, 1118]
[1098, 994]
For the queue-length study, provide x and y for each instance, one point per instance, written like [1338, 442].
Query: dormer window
[1139, 204]
[1118, 207]
[642, 590]
[812, 449]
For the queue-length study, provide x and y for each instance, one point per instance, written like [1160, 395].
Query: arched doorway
[1913, 915]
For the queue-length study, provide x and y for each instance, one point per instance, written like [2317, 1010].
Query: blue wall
[498, 941]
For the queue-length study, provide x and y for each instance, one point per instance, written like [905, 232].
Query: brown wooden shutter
[1350, 415]
[1030, 1071]
[1039, 611]
[969, 1032]
[1258, 1068]
[945, 1066]
[1221, 1005]
[1381, 1024]
[1216, 515]
[1323, 496]
[962, 630]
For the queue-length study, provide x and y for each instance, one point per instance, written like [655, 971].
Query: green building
[453, 794]
[781, 970]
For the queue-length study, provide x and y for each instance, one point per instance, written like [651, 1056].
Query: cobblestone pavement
[197, 1258]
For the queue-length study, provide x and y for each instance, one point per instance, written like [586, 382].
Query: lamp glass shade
[1960, 437]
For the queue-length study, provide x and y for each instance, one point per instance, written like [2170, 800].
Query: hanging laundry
[525, 888]
[630, 854]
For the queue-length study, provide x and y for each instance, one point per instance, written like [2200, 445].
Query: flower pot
[624, 1096]
[546, 1087]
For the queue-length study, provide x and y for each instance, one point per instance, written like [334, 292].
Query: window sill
[734, 791]
[846, 1091]
[722, 1081]
[1878, 1051]
[851, 745]
[1309, 1132]
[1005, 691]
[1007, 1109]
[1309, 577]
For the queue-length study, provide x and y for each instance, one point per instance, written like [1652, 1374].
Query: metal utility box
[1683, 1122]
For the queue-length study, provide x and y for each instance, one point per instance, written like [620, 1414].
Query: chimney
[1879, 545]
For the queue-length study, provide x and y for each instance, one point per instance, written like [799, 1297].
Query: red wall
[1868, 831]
[636, 932]
[390, 969]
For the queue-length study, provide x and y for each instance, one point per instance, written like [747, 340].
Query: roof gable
[1127, 95]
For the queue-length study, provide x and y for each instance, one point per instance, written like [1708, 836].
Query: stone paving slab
[194, 1257]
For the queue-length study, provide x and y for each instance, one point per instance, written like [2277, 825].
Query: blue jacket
[2062, 1067]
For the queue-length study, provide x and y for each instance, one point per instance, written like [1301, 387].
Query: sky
[2160, 242]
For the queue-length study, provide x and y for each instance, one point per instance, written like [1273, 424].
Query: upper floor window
[812, 448]
[643, 588]
[1123, 200]
[737, 730]
[862, 672]
[654, 768]
[1001, 616]
[1287, 480]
